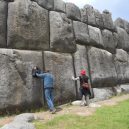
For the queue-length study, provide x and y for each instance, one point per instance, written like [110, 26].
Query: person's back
[48, 80]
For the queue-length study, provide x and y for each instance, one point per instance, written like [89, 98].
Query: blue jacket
[47, 78]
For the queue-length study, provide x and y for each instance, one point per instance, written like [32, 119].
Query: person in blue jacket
[48, 80]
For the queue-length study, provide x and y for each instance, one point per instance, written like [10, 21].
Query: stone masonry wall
[61, 37]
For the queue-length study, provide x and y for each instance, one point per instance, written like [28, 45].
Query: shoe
[53, 111]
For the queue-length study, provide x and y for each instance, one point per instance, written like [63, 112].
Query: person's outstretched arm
[41, 75]
[73, 78]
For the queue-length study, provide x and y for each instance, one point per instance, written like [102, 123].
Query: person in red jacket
[84, 85]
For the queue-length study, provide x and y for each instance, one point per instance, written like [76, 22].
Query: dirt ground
[65, 109]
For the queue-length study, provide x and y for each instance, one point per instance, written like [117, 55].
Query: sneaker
[53, 111]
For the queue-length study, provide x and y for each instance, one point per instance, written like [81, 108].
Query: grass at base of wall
[104, 118]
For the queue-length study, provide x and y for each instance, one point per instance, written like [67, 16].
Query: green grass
[115, 117]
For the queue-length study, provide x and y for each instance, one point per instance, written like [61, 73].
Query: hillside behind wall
[61, 37]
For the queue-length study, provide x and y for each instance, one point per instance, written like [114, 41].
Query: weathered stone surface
[123, 39]
[122, 66]
[119, 22]
[3, 21]
[99, 19]
[116, 39]
[59, 5]
[26, 117]
[81, 32]
[108, 41]
[122, 24]
[73, 12]
[84, 17]
[125, 88]
[126, 24]
[61, 66]
[47, 4]
[18, 125]
[17, 86]
[27, 26]
[61, 33]
[102, 93]
[95, 37]
[107, 20]
[102, 65]
[90, 14]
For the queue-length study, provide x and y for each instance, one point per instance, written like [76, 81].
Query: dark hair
[35, 70]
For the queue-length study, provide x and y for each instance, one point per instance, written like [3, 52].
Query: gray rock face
[73, 12]
[27, 26]
[124, 39]
[18, 125]
[90, 14]
[95, 37]
[122, 66]
[99, 19]
[122, 24]
[125, 88]
[17, 87]
[84, 17]
[102, 65]
[102, 93]
[3, 20]
[119, 22]
[81, 32]
[59, 5]
[107, 20]
[62, 67]
[108, 41]
[26, 117]
[47, 4]
[61, 33]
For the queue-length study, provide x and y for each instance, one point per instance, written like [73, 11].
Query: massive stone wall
[61, 37]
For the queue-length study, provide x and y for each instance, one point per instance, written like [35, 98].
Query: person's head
[36, 68]
[83, 72]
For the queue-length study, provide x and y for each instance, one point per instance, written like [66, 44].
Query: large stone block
[102, 64]
[59, 5]
[123, 39]
[81, 32]
[73, 12]
[47, 4]
[107, 20]
[90, 14]
[3, 21]
[122, 24]
[28, 26]
[108, 41]
[95, 37]
[119, 22]
[17, 86]
[122, 66]
[61, 66]
[61, 33]
[99, 19]
[102, 93]
[84, 17]
[89, 10]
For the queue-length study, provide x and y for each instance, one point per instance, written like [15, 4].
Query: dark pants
[86, 93]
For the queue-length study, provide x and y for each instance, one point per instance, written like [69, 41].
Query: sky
[118, 8]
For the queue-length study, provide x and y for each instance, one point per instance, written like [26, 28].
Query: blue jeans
[49, 98]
